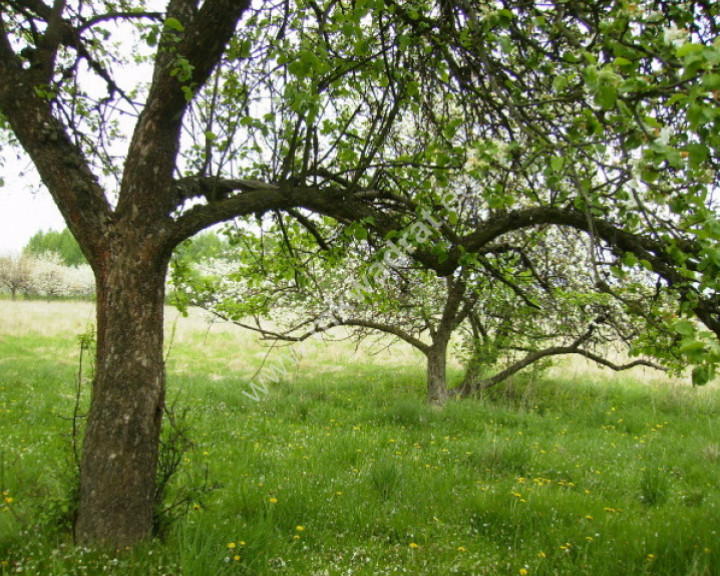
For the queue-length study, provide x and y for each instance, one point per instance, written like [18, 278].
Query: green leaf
[684, 328]
[620, 61]
[152, 37]
[711, 81]
[174, 24]
[689, 48]
[701, 375]
[697, 155]
[559, 83]
[187, 93]
[244, 51]
[557, 163]
[606, 96]
[693, 349]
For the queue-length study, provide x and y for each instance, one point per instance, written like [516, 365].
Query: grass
[341, 468]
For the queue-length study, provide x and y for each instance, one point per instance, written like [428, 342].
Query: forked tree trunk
[117, 488]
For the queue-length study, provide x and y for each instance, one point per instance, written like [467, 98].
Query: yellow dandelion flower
[524, 572]
[461, 549]
[231, 545]
[413, 545]
[273, 500]
[299, 528]
[236, 557]
[542, 555]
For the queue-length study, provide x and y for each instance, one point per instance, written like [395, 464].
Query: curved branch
[318, 327]
[158, 16]
[469, 388]
[388, 329]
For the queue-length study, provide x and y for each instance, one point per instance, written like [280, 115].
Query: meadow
[342, 469]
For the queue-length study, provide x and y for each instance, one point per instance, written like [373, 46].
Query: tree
[306, 105]
[62, 97]
[203, 246]
[50, 278]
[551, 306]
[60, 243]
[530, 298]
[303, 293]
[16, 274]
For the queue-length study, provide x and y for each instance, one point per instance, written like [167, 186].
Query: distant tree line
[52, 265]
[63, 244]
[44, 276]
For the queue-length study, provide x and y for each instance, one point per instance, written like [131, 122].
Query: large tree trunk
[117, 488]
[437, 372]
[436, 353]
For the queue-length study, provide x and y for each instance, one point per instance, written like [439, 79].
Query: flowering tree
[45, 276]
[530, 298]
[15, 274]
[51, 278]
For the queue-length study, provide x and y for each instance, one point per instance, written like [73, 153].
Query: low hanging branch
[472, 386]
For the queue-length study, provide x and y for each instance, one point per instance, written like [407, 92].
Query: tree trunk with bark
[117, 491]
[437, 372]
[454, 312]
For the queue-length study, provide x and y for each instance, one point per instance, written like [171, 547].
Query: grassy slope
[342, 469]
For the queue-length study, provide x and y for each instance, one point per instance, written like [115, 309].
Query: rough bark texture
[453, 314]
[437, 373]
[117, 492]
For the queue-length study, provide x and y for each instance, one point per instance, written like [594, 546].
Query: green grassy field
[342, 469]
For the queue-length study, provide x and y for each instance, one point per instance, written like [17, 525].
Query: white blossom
[675, 36]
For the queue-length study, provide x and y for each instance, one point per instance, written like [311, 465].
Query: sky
[25, 208]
